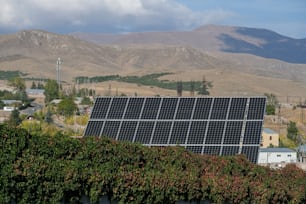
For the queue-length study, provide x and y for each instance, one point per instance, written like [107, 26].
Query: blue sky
[287, 17]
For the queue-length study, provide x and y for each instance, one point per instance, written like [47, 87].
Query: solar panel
[210, 125]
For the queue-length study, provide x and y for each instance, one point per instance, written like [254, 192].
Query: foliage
[48, 117]
[270, 109]
[44, 169]
[67, 107]
[7, 75]
[14, 119]
[272, 103]
[86, 101]
[150, 80]
[18, 83]
[1, 104]
[205, 86]
[51, 90]
[292, 131]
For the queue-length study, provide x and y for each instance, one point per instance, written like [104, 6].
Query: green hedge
[45, 169]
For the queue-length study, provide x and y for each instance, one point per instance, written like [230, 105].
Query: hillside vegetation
[45, 169]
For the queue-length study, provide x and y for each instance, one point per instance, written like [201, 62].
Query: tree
[205, 86]
[14, 119]
[86, 101]
[270, 109]
[292, 131]
[272, 103]
[67, 107]
[33, 85]
[18, 83]
[51, 90]
[192, 88]
[48, 116]
[179, 88]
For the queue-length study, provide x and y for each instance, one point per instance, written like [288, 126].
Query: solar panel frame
[206, 125]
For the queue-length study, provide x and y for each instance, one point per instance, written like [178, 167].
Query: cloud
[103, 15]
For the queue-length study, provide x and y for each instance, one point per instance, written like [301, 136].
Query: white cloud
[102, 15]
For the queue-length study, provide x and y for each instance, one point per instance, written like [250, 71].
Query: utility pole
[58, 67]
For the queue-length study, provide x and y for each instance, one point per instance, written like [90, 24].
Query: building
[276, 156]
[270, 138]
[302, 153]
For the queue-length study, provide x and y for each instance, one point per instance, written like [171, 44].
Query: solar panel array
[212, 125]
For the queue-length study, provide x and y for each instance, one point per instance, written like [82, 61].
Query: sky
[286, 17]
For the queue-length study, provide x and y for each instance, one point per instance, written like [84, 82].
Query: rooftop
[269, 131]
[276, 150]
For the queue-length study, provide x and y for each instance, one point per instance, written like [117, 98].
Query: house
[276, 156]
[302, 153]
[270, 138]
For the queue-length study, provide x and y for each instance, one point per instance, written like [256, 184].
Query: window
[278, 155]
[289, 155]
[270, 137]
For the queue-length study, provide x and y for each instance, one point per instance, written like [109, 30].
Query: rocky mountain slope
[259, 42]
[225, 55]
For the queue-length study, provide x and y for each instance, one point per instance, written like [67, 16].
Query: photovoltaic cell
[127, 130]
[134, 108]
[213, 150]
[252, 133]
[94, 128]
[256, 112]
[220, 107]
[144, 132]
[185, 108]
[179, 132]
[111, 129]
[117, 108]
[162, 132]
[215, 132]
[197, 132]
[233, 132]
[251, 152]
[100, 108]
[237, 108]
[151, 108]
[230, 150]
[195, 149]
[210, 125]
[168, 108]
[202, 108]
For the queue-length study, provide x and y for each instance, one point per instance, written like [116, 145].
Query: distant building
[302, 153]
[270, 138]
[35, 92]
[11, 102]
[270, 156]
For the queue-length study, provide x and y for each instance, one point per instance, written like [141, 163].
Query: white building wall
[277, 157]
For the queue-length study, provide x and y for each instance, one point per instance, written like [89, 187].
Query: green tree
[292, 131]
[14, 119]
[33, 85]
[48, 116]
[1, 104]
[51, 90]
[86, 101]
[206, 85]
[67, 107]
[272, 103]
[270, 109]
[18, 83]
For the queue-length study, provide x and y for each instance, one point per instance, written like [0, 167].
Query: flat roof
[277, 149]
[269, 131]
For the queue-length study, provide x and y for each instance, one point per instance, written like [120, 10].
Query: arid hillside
[189, 56]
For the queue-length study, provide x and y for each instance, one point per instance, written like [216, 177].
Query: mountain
[35, 52]
[208, 51]
[259, 42]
